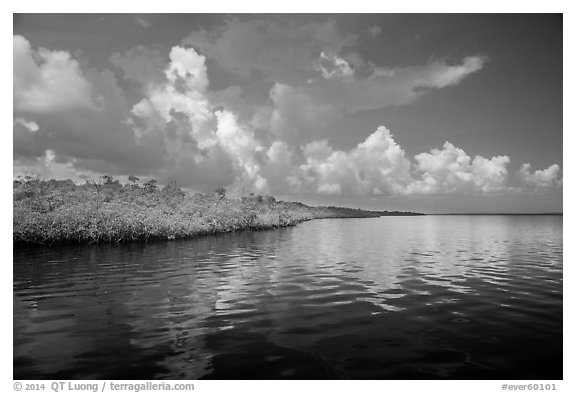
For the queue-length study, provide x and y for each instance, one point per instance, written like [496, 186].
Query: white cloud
[385, 87]
[452, 171]
[377, 165]
[47, 81]
[30, 125]
[184, 93]
[331, 66]
[242, 147]
[540, 179]
[196, 135]
[188, 65]
[438, 74]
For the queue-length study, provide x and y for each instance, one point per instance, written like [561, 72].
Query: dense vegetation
[49, 211]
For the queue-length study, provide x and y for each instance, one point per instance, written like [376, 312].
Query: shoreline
[52, 212]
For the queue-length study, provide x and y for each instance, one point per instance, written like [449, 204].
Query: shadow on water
[393, 298]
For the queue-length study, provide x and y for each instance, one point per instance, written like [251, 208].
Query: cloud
[77, 115]
[331, 66]
[452, 171]
[27, 124]
[439, 74]
[142, 22]
[243, 148]
[376, 166]
[47, 81]
[188, 66]
[183, 93]
[198, 136]
[379, 166]
[384, 87]
[540, 179]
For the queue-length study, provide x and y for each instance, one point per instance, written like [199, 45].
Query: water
[456, 297]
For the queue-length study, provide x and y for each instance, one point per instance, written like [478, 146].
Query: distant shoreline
[494, 214]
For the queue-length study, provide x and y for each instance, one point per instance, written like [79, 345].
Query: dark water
[457, 297]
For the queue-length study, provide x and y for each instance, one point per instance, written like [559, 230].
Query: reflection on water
[387, 298]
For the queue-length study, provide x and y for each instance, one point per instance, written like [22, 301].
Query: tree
[107, 179]
[133, 179]
[173, 189]
[150, 185]
[97, 186]
[221, 192]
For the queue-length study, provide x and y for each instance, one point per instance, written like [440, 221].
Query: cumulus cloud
[241, 145]
[376, 166]
[540, 179]
[451, 170]
[182, 94]
[77, 115]
[47, 81]
[197, 135]
[184, 110]
[379, 166]
[188, 66]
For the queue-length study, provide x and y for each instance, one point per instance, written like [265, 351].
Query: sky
[442, 113]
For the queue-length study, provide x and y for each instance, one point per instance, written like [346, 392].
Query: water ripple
[394, 297]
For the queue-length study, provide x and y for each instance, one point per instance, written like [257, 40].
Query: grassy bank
[50, 211]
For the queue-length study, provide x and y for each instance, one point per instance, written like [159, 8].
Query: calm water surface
[457, 297]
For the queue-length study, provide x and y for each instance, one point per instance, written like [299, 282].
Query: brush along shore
[57, 211]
